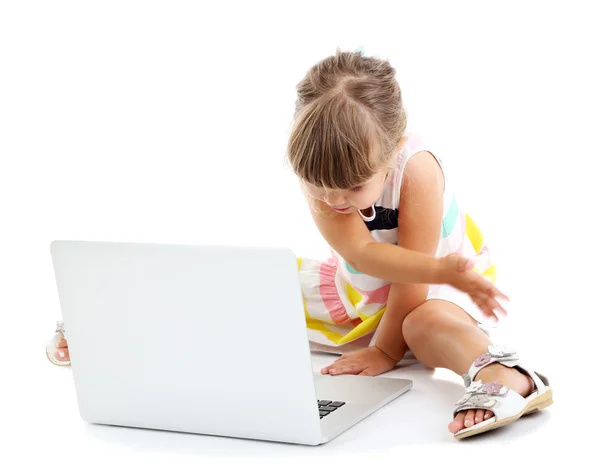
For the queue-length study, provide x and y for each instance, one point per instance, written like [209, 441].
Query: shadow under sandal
[506, 404]
[51, 346]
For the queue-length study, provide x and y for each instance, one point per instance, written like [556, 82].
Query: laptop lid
[177, 337]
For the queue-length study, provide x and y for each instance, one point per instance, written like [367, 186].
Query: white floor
[49, 429]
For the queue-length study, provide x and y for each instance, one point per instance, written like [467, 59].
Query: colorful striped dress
[343, 305]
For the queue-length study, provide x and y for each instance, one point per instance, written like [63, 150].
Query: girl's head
[348, 123]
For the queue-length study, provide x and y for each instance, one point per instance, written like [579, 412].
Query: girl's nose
[335, 199]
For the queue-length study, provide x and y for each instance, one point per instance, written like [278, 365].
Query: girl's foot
[506, 376]
[62, 350]
[57, 349]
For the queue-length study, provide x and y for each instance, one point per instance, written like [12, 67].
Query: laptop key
[324, 402]
[327, 408]
[337, 404]
[323, 413]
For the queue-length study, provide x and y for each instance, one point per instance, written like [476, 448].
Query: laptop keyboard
[326, 407]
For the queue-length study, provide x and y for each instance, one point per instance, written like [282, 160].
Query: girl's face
[346, 201]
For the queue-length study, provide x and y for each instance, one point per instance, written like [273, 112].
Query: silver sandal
[506, 405]
[52, 345]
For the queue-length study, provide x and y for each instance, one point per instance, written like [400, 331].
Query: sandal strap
[501, 354]
[492, 396]
[60, 327]
[507, 357]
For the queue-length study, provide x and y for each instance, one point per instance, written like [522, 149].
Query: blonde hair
[348, 120]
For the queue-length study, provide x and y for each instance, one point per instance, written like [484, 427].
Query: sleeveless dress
[343, 305]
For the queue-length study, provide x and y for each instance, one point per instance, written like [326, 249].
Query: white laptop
[201, 339]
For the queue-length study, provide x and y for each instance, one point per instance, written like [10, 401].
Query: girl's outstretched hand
[458, 272]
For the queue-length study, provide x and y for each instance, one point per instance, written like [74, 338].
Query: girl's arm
[350, 237]
[419, 228]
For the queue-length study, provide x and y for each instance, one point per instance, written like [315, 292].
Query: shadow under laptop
[420, 416]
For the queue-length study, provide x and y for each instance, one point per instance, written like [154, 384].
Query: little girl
[410, 269]
[382, 201]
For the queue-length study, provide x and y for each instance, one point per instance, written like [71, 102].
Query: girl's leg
[441, 334]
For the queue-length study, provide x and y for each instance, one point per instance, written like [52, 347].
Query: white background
[167, 122]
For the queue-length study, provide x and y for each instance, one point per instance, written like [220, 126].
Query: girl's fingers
[346, 369]
[347, 366]
[497, 307]
[496, 293]
[488, 304]
[484, 303]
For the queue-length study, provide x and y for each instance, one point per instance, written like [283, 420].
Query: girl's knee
[421, 321]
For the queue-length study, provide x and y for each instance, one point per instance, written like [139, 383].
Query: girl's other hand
[458, 272]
